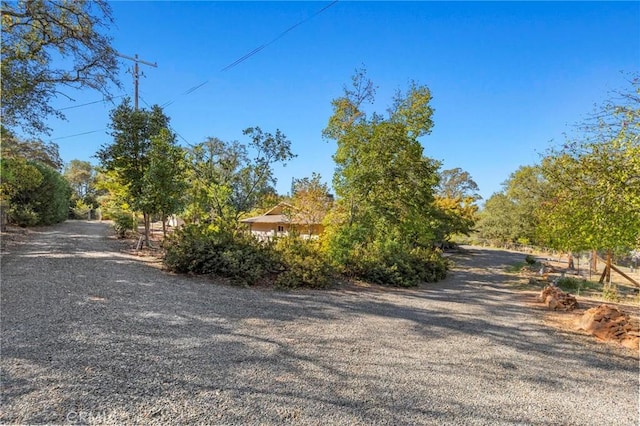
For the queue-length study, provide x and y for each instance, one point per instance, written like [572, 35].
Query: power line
[171, 128]
[91, 103]
[187, 92]
[282, 34]
[77, 134]
[198, 86]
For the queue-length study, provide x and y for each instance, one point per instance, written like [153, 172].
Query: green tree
[111, 195]
[30, 149]
[497, 221]
[38, 194]
[310, 202]
[80, 175]
[528, 189]
[164, 181]
[595, 181]
[384, 184]
[457, 183]
[128, 155]
[229, 179]
[36, 35]
[456, 203]
[18, 176]
[511, 216]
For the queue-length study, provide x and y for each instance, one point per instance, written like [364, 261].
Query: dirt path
[93, 335]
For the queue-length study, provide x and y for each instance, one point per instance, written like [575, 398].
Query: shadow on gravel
[87, 328]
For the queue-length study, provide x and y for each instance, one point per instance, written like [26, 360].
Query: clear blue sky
[506, 78]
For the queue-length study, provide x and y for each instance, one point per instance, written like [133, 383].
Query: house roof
[275, 215]
[274, 218]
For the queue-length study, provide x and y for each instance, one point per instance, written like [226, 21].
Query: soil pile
[557, 299]
[609, 323]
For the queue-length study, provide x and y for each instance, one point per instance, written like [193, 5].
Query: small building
[280, 221]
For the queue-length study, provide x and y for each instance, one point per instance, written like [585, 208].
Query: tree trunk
[594, 261]
[147, 227]
[570, 260]
[164, 226]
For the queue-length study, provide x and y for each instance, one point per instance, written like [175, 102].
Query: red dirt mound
[609, 323]
[557, 299]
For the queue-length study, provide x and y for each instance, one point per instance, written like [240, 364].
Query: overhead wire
[253, 52]
[170, 127]
[198, 86]
[91, 103]
[282, 34]
[77, 134]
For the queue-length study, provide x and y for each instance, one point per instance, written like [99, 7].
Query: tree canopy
[384, 183]
[47, 46]
[229, 179]
[594, 181]
[129, 155]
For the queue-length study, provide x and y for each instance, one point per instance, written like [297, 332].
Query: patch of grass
[516, 267]
[577, 285]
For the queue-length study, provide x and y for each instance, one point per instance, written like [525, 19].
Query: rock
[555, 298]
[631, 343]
[610, 323]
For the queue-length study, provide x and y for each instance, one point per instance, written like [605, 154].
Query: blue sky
[507, 78]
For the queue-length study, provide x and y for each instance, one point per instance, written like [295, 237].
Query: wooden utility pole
[136, 73]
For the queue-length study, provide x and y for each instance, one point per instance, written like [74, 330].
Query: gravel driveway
[93, 335]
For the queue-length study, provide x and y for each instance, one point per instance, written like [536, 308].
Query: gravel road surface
[92, 335]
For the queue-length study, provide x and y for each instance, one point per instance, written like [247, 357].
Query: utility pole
[136, 73]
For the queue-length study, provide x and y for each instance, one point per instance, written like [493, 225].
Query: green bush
[79, 210]
[45, 202]
[571, 284]
[292, 262]
[122, 223]
[24, 215]
[395, 265]
[200, 249]
[305, 265]
[531, 260]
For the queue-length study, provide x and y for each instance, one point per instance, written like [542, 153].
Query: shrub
[23, 215]
[305, 265]
[531, 260]
[43, 202]
[387, 260]
[80, 210]
[570, 284]
[122, 223]
[203, 249]
[391, 263]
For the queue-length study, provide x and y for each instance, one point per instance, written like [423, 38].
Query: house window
[280, 228]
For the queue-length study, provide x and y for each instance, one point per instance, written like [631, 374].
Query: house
[282, 220]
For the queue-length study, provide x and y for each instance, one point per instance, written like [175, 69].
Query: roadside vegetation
[393, 207]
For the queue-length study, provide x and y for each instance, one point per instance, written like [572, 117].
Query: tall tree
[36, 34]
[80, 175]
[455, 202]
[457, 183]
[30, 149]
[384, 183]
[310, 201]
[595, 181]
[164, 180]
[497, 221]
[128, 155]
[229, 179]
[511, 216]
